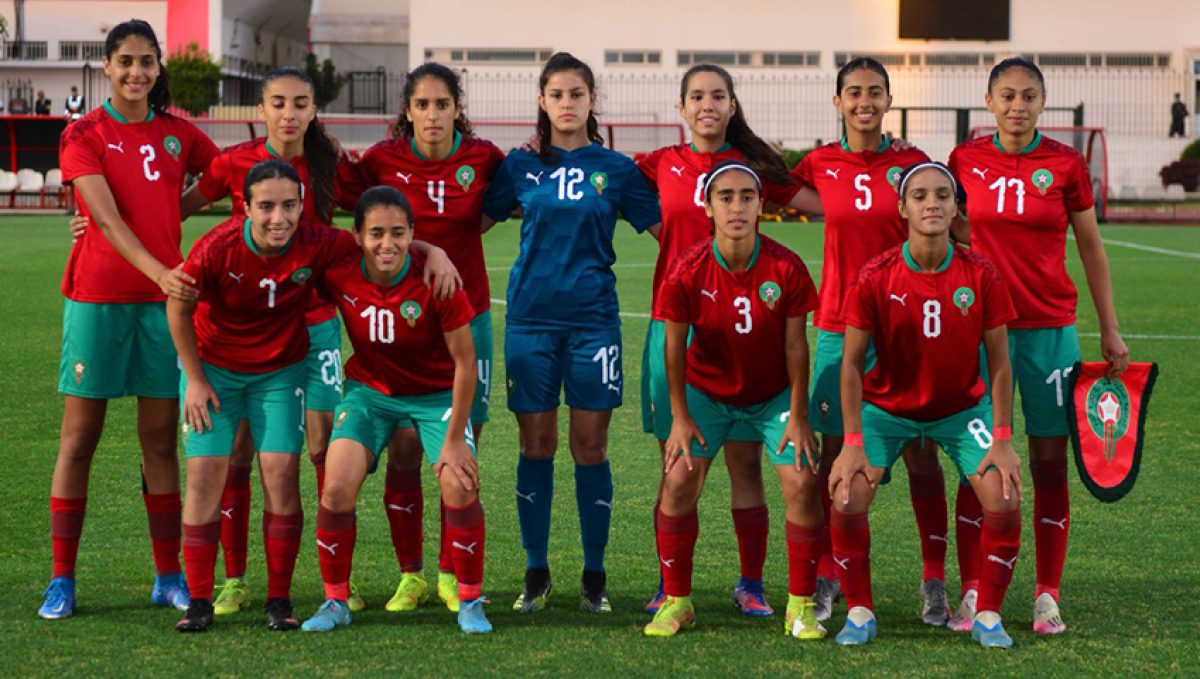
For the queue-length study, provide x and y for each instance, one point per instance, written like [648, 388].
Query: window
[792, 59]
[840, 59]
[1062, 59]
[952, 58]
[497, 56]
[632, 57]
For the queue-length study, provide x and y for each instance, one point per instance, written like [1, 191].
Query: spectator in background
[1179, 113]
[42, 106]
[74, 109]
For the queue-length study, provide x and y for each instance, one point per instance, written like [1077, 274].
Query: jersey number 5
[862, 202]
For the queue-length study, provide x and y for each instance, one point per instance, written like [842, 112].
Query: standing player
[563, 328]
[709, 106]
[418, 371]
[436, 161]
[926, 306]
[856, 178]
[242, 347]
[127, 161]
[745, 298]
[1023, 190]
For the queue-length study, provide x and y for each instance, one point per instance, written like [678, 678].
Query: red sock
[164, 512]
[445, 558]
[928, 495]
[66, 525]
[405, 505]
[200, 557]
[1051, 522]
[318, 461]
[676, 537]
[752, 526]
[336, 533]
[851, 538]
[235, 520]
[804, 544]
[825, 567]
[281, 538]
[999, 544]
[967, 525]
[464, 529]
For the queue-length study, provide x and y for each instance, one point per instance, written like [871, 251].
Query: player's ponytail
[159, 98]
[320, 154]
[759, 155]
[559, 62]
[403, 127]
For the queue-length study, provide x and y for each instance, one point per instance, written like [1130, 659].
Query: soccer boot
[280, 616]
[537, 590]
[594, 595]
[964, 618]
[1046, 618]
[170, 591]
[471, 618]
[410, 593]
[989, 632]
[233, 597]
[198, 618]
[934, 610]
[355, 603]
[827, 592]
[447, 591]
[748, 596]
[800, 620]
[59, 599]
[859, 628]
[656, 602]
[676, 613]
[331, 614]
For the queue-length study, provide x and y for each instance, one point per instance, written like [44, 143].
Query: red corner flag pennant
[1108, 420]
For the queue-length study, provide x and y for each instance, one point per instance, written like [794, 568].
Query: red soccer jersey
[1019, 205]
[858, 193]
[927, 328]
[446, 196]
[226, 176]
[251, 312]
[398, 330]
[739, 319]
[677, 174]
[144, 164]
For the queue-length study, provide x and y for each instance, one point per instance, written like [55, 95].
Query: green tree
[195, 79]
[327, 82]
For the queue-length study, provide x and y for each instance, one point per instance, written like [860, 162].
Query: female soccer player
[562, 328]
[127, 160]
[1023, 190]
[415, 371]
[436, 161]
[745, 298]
[856, 178]
[926, 306]
[242, 347]
[709, 106]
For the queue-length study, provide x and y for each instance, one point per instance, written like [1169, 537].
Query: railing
[28, 50]
[81, 50]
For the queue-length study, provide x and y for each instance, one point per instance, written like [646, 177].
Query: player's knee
[680, 493]
[339, 495]
[453, 493]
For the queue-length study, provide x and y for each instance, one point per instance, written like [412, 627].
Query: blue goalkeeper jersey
[563, 275]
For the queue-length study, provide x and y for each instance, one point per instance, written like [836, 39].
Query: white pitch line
[1184, 338]
[1148, 248]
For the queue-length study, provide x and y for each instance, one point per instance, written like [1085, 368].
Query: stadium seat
[54, 178]
[30, 180]
[8, 181]
[1128, 193]
[1175, 192]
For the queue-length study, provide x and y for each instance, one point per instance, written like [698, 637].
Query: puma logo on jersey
[899, 298]
[537, 179]
[352, 300]
[404, 176]
[528, 498]
[678, 171]
[407, 509]
[1009, 564]
[982, 173]
[602, 503]
[711, 294]
[974, 522]
[842, 563]
[833, 173]
[332, 549]
[236, 276]
[119, 146]
[469, 549]
[1061, 524]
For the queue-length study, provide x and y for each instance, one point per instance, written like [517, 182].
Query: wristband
[1002, 433]
[854, 439]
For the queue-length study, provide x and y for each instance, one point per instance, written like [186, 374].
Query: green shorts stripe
[370, 417]
[115, 350]
[273, 403]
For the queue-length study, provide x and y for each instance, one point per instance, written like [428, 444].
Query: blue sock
[593, 496]
[535, 491]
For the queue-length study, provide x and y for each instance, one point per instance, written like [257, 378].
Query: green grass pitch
[1132, 574]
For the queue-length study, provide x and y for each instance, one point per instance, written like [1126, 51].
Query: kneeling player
[746, 298]
[243, 348]
[926, 306]
[413, 365]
